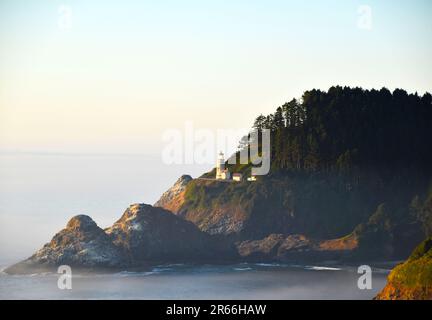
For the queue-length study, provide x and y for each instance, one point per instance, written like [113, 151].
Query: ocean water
[240, 281]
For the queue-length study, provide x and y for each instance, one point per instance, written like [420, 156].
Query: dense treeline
[348, 128]
[346, 162]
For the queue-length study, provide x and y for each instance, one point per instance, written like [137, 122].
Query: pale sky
[122, 72]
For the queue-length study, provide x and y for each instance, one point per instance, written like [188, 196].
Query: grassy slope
[413, 278]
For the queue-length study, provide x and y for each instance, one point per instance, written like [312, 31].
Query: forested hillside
[344, 163]
[347, 129]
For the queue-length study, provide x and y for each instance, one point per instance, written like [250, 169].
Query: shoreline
[377, 266]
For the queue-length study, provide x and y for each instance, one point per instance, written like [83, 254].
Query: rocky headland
[142, 237]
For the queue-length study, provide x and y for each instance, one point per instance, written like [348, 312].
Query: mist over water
[242, 281]
[39, 193]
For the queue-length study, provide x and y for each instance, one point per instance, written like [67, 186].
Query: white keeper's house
[223, 173]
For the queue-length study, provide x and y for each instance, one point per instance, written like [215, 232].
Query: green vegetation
[342, 161]
[411, 280]
[423, 250]
[371, 148]
[349, 129]
[205, 195]
[417, 271]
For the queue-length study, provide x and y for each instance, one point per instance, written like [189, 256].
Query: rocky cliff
[81, 243]
[150, 234]
[172, 199]
[296, 248]
[411, 280]
[356, 219]
[144, 235]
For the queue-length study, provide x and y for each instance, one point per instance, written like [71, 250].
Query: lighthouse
[221, 172]
[220, 166]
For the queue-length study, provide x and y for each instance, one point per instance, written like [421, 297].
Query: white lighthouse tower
[221, 172]
[220, 166]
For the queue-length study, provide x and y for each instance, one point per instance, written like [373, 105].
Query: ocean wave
[275, 264]
[321, 268]
[160, 270]
[242, 268]
[135, 273]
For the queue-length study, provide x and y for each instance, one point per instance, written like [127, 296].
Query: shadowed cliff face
[278, 205]
[371, 218]
[262, 222]
[144, 235]
[411, 280]
[150, 234]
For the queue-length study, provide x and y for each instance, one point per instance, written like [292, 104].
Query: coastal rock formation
[149, 234]
[216, 220]
[279, 247]
[321, 207]
[144, 235]
[172, 199]
[411, 280]
[264, 249]
[208, 205]
[82, 243]
[279, 205]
